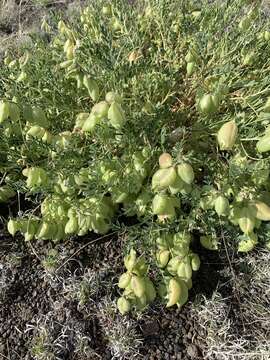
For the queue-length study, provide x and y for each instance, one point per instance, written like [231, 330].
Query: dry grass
[237, 326]
[19, 19]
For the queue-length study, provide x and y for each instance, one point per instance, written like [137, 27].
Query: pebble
[192, 351]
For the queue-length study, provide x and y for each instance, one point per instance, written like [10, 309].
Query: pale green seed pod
[92, 87]
[107, 10]
[130, 260]
[36, 131]
[263, 145]
[140, 267]
[183, 298]
[178, 186]
[123, 305]
[124, 280]
[262, 211]
[47, 137]
[174, 292]
[165, 161]
[246, 220]
[222, 205]
[208, 242]
[80, 119]
[191, 67]
[173, 265]
[184, 270]
[138, 285]
[207, 104]
[71, 226]
[163, 205]
[195, 262]
[163, 178]
[4, 111]
[113, 97]
[163, 257]
[186, 173]
[150, 291]
[101, 109]
[90, 123]
[116, 116]
[32, 227]
[13, 226]
[44, 231]
[14, 112]
[227, 135]
[248, 243]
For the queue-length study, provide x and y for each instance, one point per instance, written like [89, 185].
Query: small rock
[150, 328]
[192, 351]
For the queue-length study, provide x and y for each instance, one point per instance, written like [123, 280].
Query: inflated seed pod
[208, 242]
[191, 67]
[71, 226]
[47, 137]
[130, 260]
[174, 292]
[60, 233]
[222, 205]
[101, 109]
[123, 305]
[4, 111]
[116, 25]
[262, 211]
[140, 267]
[124, 280]
[163, 178]
[263, 145]
[14, 111]
[13, 226]
[80, 120]
[163, 205]
[140, 303]
[207, 104]
[45, 230]
[90, 123]
[178, 186]
[116, 115]
[92, 87]
[165, 161]
[184, 270]
[248, 243]
[32, 228]
[150, 291]
[227, 135]
[138, 285]
[246, 220]
[163, 257]
[195, 262]
[186, 173]
[173, 265]
[107, 10]
[36, 131]
[111, 97]
[183, 298]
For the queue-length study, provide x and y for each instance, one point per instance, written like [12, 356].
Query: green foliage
[158, 110]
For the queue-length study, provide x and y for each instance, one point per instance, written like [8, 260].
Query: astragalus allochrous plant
[156, 110]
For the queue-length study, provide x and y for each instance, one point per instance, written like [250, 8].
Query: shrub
[158, 110]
